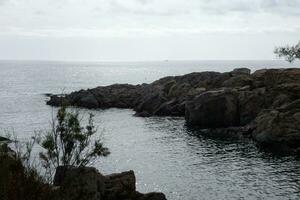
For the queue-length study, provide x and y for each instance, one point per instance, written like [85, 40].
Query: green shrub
[70, 144]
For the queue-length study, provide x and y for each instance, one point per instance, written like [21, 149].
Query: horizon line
[158, 60]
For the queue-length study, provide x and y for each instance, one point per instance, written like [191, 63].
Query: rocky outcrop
[118, 95]
[208, 100]
[164, 97]
[213, 109]
[87, 183]
[279, 127]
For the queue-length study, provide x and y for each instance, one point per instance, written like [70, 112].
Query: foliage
[67, 143]
[70, 144]
[290, 53]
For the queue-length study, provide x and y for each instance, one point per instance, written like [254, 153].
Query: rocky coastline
[263, 105]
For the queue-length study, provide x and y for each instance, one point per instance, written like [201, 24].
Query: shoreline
[239, 101]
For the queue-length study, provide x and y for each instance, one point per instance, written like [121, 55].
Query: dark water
[165, 155]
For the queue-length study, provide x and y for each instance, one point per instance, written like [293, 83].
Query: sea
[165, 155]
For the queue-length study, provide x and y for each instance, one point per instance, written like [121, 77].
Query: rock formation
[86, 183]
[211, 100]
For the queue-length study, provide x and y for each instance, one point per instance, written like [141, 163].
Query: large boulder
[120, 186]
[84, 183]
[279, 128]
[150, 103]
[213, 109]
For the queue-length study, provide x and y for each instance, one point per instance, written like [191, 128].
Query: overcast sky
[146, 29]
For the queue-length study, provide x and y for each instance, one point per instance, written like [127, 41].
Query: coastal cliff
[264, 105]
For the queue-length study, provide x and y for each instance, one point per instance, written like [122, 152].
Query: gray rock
[279, 128]
[206, 99]
[251, 102]
[80, 183]
[120, 186]
[213, 109]
[88, 184]
[238, 81]
[241, 71]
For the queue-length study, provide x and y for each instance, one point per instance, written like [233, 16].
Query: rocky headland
[263, 105]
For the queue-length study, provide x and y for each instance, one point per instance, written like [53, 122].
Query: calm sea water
[165, 155]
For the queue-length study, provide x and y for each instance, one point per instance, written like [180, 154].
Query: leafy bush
[70, 144]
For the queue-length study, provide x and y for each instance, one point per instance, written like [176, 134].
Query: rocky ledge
[263, 105]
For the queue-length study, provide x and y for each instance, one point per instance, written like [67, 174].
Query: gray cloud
[2, 2]
[145, 7]
[148, 17]
[286, 8]
[226, 7]
[157, 29]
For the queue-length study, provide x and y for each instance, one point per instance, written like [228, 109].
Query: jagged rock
[213, 109]
[279, 128]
